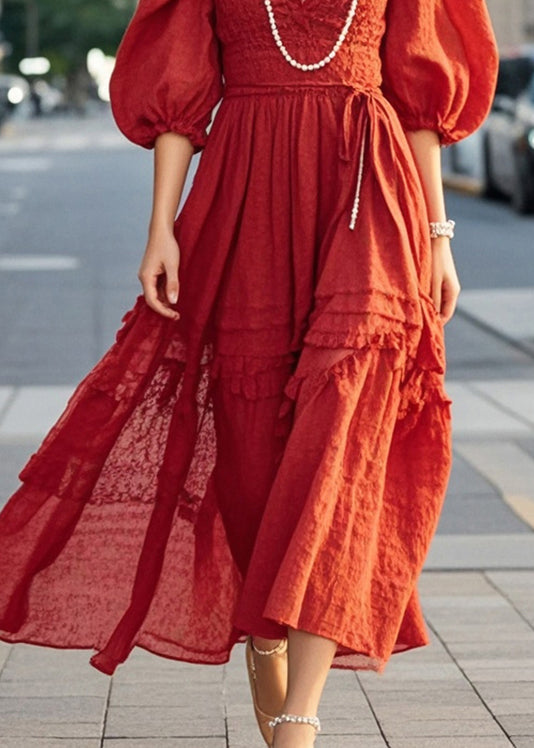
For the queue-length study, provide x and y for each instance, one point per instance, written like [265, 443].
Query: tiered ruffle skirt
[280, 455]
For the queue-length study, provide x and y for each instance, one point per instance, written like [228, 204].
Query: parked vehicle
[14, 92]
[508, 139]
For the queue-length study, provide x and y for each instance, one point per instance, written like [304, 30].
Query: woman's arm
[426, 149]
[158, 272]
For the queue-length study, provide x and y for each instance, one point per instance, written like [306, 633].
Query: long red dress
[279, 456]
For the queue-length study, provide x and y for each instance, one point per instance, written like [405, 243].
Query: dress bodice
[309, 30]
[177, 56]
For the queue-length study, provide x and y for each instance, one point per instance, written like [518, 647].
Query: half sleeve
[167, 75]
[439, 65]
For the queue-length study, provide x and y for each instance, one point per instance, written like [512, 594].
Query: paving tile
[509, 310]
[413, 701]
[518, 724]
[13, 457]
[491, 551]
[496, 652]
[39, 729]
[33, 410]
[422, 671]
[505, 689]
[67, 709]
[434, 583]
[452, 632]
[502, 462]
[419, 684]
[5, 651]
[163, 695]
[154, 669]
[6, 393]
[501, 675]
[475, 353]
[474, 416]
[440, 728]
[352, 741]
[496, 663]
[467, 742]
[338, 724]
[153, 722]
[509, 468]
[466, 481]
[513, 582]
[217, 742]
[50, 742]
[439, 710]
[472, 606]
[50, 688]
[479, 514]
[501, 707]
[516, 396]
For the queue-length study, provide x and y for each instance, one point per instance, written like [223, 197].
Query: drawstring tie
[355, 120]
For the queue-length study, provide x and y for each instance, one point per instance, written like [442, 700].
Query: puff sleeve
[167, 75]
[439, 65]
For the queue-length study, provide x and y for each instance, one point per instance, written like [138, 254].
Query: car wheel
[523, 192]
[489, 188]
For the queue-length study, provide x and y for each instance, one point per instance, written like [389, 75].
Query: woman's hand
[445, 284]
[158, 272]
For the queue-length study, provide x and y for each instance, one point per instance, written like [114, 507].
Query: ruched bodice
[309, 30]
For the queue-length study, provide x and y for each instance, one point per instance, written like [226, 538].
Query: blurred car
[45, 97]
[508, 140]
[14, 92]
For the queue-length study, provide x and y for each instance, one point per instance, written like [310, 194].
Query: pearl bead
[328, 57]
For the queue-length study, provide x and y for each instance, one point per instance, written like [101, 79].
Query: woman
[263, 453]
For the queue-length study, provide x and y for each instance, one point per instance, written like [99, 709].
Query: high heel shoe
[298, 719]
[262, 717]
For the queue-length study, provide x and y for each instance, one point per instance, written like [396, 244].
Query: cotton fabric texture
[280, 455]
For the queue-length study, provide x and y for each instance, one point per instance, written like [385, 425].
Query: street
[74, 210]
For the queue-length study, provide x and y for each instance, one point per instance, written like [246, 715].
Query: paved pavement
[473, 685]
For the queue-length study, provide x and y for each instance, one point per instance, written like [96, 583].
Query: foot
[292, 735]
[271, 677]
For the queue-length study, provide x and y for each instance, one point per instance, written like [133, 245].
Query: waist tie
[355, 118]
[357, 121]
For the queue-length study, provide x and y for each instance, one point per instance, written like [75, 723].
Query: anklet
[313, 721]
[279, 647]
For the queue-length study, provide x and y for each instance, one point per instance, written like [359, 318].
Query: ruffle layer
[372, 422]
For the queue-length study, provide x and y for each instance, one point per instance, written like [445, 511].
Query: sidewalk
[473, 685]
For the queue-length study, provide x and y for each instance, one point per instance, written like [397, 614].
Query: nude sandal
[262, 718]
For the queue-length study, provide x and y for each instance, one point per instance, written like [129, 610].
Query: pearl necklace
[315, 66]
[330, 56]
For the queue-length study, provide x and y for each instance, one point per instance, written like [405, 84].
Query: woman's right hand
[158, 272]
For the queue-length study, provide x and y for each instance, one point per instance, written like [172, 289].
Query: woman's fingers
[159, 273]
[151, 288]
[171, 282]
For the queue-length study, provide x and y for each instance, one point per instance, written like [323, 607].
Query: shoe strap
[275, 650]
[297, 718]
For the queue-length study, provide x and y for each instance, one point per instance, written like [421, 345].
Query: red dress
[279, 456]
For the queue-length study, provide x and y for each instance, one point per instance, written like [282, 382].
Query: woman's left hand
[445, 284]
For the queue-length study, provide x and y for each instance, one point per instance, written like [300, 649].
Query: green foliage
[68, 29]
